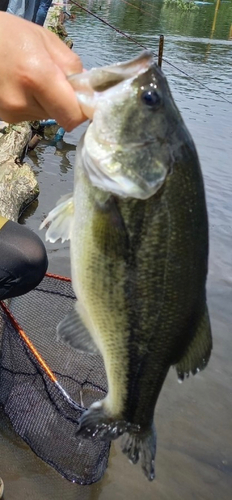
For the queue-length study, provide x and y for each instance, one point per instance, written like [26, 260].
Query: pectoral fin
[61, 220]
[71, 330]
[198, 351]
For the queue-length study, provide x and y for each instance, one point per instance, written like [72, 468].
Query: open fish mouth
[90, 86]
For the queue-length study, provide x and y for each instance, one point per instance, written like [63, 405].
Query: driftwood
[18, 185]
[13, 141]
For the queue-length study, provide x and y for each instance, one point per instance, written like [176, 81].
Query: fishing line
[147, 3]
[108, 24]
[218, 94]
[138, 8]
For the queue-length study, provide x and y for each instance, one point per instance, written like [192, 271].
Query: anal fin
[71, 330]
[198, 351]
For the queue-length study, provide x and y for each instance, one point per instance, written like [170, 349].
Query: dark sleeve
[23, 260]
[4, 4]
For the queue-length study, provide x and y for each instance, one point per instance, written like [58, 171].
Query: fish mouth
[92, 85]
[100, 78]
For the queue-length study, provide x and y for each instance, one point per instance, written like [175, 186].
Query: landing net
[45, 385]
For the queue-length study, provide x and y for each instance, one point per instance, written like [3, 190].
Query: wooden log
[18, 188]
[13, 141]
[18, 184]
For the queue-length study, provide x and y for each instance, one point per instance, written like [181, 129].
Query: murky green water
[194, 453]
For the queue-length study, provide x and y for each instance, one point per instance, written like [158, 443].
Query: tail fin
[135, 443]
[143, 447]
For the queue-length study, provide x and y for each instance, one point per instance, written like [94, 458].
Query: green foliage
[184, 5]
[58, 30]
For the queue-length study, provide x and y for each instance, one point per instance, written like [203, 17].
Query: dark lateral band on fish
[138, 230]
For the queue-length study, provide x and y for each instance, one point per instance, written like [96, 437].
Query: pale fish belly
[98, 276]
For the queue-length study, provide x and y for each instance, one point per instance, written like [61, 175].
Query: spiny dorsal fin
[198, 352]
[72, 331]
[61, 220]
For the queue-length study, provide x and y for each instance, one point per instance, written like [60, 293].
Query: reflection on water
[194, 454]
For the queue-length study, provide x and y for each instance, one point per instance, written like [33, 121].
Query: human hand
[34, 64]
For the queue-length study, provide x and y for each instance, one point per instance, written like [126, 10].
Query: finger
[29, 111]
[17, 107]
[62, 56]
[23, 117]
[57, 97]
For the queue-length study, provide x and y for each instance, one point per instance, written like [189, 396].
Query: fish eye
[151, 98]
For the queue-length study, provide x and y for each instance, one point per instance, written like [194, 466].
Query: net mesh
[39, 409]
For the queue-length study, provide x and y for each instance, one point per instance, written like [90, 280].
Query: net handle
[58, 277]
[27, 341]
[34, 351]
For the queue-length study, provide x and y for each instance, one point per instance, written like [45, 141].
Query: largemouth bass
[138, 230]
